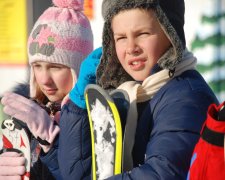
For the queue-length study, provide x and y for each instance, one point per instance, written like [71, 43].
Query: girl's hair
[40, 96]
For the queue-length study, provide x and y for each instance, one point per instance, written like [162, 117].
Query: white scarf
[142, 92]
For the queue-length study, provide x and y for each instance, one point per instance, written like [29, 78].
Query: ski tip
[93, 88]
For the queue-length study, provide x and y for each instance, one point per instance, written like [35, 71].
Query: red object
[22, 142]
[6, 143]
[208, 161]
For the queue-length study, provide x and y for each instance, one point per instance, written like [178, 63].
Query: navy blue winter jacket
[74, 153]
[167, 131]
[47, 167]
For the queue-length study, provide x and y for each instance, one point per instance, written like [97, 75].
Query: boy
[144, 53]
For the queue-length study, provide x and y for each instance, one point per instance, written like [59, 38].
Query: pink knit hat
[62, 35]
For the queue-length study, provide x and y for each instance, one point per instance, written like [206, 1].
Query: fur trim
[111, 8]
[110, 68]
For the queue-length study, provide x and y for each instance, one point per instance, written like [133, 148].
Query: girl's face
[54, 80]
[139, 41]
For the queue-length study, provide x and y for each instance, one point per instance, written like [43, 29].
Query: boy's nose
[132, 48]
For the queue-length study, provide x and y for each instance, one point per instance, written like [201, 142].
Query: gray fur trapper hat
[170, 14]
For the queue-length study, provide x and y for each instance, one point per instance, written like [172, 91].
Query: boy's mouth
[136, 64]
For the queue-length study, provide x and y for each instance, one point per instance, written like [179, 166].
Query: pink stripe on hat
[56, 14]
[75, 44]
[77, 5]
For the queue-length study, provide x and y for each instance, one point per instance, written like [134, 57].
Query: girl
[59, 41]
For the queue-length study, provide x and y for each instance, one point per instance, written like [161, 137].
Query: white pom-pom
[74, 4]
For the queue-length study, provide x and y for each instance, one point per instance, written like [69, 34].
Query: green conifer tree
[209, 46]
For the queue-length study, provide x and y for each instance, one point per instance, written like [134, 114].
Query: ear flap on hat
[33, 84]
[110, 68]
[74, 76]
[174, 55]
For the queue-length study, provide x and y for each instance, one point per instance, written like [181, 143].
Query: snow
[103, 123]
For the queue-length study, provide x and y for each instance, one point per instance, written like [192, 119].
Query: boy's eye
[120, 38]
[144, 33]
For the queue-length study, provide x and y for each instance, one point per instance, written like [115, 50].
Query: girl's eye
[36, 66]
[56, 67]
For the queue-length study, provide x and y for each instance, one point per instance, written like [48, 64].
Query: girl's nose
[46, 78]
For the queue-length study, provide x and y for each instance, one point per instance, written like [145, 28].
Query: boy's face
[54, 80]
[139, 41]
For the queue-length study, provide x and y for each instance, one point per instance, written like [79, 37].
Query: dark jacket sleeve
[74, 154]
[50, 160]
[176, 123]
[41, 172]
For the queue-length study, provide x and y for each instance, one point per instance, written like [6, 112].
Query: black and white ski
[106, 129]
